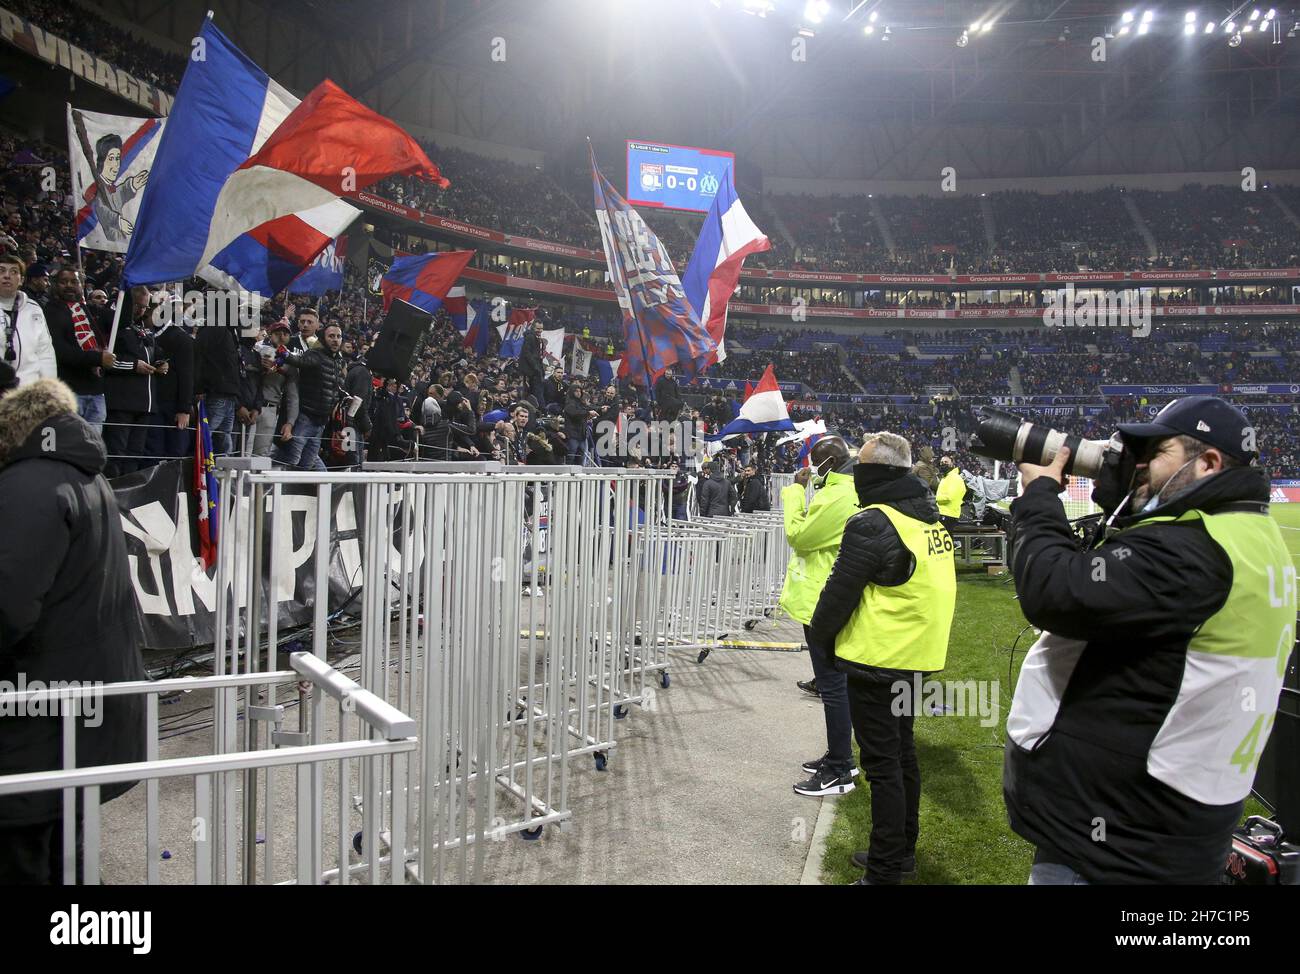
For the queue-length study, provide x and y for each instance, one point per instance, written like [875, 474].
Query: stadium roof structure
[866, 89]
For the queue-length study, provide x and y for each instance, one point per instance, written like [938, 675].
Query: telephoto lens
[1005, 436]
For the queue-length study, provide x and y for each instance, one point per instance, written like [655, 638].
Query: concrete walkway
[698, 791]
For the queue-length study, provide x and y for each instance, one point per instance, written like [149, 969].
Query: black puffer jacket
[70, 612]
[871, 553]
[320, 380]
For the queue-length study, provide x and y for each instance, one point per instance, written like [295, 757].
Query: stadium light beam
[1148, 16]
[1144, 27]
[1209, 28]
[1189, 17]
[868, 30]
[1189, 29]
[963, 40]
[1127, 18]
[1254, 14]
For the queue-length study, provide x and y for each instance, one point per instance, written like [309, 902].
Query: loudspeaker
[394, 349]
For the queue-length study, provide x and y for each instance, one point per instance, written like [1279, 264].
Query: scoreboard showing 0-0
[675, 177]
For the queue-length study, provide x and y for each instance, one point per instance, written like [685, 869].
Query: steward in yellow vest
[887, 607]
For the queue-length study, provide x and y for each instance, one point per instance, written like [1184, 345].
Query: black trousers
[32, 855]
[888, 759]
[125, 437]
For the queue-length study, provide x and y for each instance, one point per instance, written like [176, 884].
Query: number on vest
[937, 541]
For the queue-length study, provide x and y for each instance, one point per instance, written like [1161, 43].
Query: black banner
[177, 596]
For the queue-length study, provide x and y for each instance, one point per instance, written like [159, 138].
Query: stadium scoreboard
[675, 177]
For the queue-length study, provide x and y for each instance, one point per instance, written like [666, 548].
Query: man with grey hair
[887, 608]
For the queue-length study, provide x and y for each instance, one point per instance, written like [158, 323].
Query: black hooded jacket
[67, 608]
[871, 553]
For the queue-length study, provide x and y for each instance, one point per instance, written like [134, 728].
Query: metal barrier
[515, 611]
[517, 614]
[232, 789]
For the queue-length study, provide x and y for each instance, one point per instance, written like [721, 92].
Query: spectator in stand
[130, 392]
[577, 414]
[359, 386]
[320, 372]
[219, 375]
[308, 325]
[78, 331]
[277, 393]
[173, 412]
[530, 362]
[37, 285]
[27, 348]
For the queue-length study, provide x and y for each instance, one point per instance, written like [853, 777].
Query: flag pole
[645, 360]
[117, 316]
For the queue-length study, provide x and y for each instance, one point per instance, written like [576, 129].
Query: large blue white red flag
[660, 328]
[246, 185]
[425, 280]
[727, 237]
[325, 272]
[763, 412]
[110, 157]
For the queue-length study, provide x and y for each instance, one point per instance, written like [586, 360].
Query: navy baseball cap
[1206, 418]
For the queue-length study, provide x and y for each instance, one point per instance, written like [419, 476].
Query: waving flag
[325, 272]
[660, 328]
[457, 306]
[513, 331]
[110, 157]
[246, 181]
[426, 280]
[763, 412]
[205, 488]
[553, 346]
[805, 452]
[607, 369]
[802, 431]
[727, 237]
[477, 321]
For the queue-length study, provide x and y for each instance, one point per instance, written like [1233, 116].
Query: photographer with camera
[1142, 710]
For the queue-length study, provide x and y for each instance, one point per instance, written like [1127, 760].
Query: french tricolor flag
[763, 412]
[727, 237]
[246, 184]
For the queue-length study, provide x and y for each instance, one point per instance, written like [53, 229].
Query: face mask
[819, 476]
[1154, 502]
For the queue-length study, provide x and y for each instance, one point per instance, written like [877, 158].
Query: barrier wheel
[750, 624]
[531, 835]
[664, 680]
[600, 760]
[704, 654]
[620, 712]
[356, 843]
